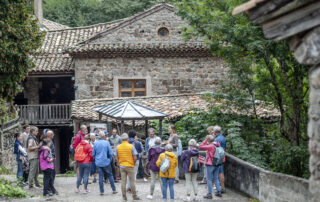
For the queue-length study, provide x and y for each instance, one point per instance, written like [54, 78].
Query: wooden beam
[122, 126]
[308, 52]
[293, 23]
[160, 128]
[146, 128]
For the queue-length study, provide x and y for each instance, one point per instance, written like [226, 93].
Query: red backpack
[79, 154]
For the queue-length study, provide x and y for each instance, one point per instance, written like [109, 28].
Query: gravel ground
[66, 189]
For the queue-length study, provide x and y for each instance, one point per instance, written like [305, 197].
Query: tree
[259, 68]
[20, 36]
[76, 13]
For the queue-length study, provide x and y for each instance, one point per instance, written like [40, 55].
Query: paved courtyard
[66, 188]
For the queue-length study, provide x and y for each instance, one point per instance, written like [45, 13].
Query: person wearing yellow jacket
[169, 176]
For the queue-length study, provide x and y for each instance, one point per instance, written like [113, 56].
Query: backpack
[218, 156]
[165, 164]
[194, 166]
[79, 154]
[71, 149]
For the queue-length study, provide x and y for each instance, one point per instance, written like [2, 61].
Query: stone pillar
[38, 10]
[314, 132]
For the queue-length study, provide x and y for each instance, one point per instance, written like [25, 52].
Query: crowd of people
[117, 157]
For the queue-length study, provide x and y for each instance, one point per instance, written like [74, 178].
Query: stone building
[143, 55]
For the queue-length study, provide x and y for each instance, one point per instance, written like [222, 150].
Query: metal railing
[45, 114]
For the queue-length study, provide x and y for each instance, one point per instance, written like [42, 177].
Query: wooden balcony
[45, 114]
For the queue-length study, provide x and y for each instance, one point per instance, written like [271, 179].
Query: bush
[9, 191]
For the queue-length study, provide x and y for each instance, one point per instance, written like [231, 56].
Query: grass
[5, 171]
[69, 173]
[254, 200]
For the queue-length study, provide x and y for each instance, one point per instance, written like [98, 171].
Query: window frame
[132, 89]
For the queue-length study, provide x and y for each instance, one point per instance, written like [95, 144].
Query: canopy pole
[122, 126]
[133, 124]
[146, 128]
[160, 128]
[100, 117]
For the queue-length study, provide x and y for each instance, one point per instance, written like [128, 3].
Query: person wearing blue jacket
[20, 152]
[138, 146]
[102, 153]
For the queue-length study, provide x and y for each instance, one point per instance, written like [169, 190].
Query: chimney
[38, 10]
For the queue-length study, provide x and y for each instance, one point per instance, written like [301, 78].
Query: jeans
[127, 172]
[212, 173]
[221, 168]
[93, 168]
[19, 170]
[136, 166]
[84, 171]
[34, 172]
[165, 182]
[153, 181]
[105, 171]
[48, 181]
[113, 168]
[191, 179]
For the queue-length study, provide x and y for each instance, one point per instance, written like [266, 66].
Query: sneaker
[116, 181]
[37, 186]
[30, 186]
[223, 191]
[208, 196]
[114, 192]
[77, 190]
[101, 193]
[187, 198]
[145, 179]
[149, 197]
[203, 182]
[86, 191]
[176, 181]
[196, 198]
[218, 194]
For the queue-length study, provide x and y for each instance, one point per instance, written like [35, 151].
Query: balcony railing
[44, 114]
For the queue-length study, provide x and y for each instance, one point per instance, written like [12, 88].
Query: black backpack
[194, 166]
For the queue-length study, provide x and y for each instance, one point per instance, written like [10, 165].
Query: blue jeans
[19, 170]
[212, 173]
[165, 182]
[84, 171]
[106, 171]
[221, 168]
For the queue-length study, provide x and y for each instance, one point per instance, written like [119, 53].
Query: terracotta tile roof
[135, 49]
[173, 105]
[50, 25]
[51, 53]
[52, 63]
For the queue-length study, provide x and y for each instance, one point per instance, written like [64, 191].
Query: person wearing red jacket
[85, 164]
[212, 171]
[79, 137]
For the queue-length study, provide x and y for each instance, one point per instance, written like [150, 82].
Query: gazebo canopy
[127, 110]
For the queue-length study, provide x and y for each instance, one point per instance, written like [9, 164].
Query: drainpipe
[38, 10]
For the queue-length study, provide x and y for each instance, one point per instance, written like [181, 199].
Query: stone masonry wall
[264, 185]
[146, 29]
[31, 90]
[97, 78]
[7, 157]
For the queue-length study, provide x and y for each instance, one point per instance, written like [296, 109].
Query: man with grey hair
[102, 153]
[115, 140]
[33, 156]
[222, 140]
[150, 140]
[127, 156]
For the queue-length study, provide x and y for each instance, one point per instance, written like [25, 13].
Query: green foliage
[259, 69]
[69, 173]
[76, 13]
[10, 191]
[5, 113]
[20, 36]
[5, 171]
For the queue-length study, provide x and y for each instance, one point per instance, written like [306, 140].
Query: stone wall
[31, 90]
[264, 185]
[146, 28]
[98, 78]
[7, 157]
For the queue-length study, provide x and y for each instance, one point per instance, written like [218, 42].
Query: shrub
[9, 191]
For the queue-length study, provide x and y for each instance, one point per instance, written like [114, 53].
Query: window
[132, 87]
[163, 32]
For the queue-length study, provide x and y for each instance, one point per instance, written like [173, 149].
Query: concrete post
[314, 132]
[38, 10]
